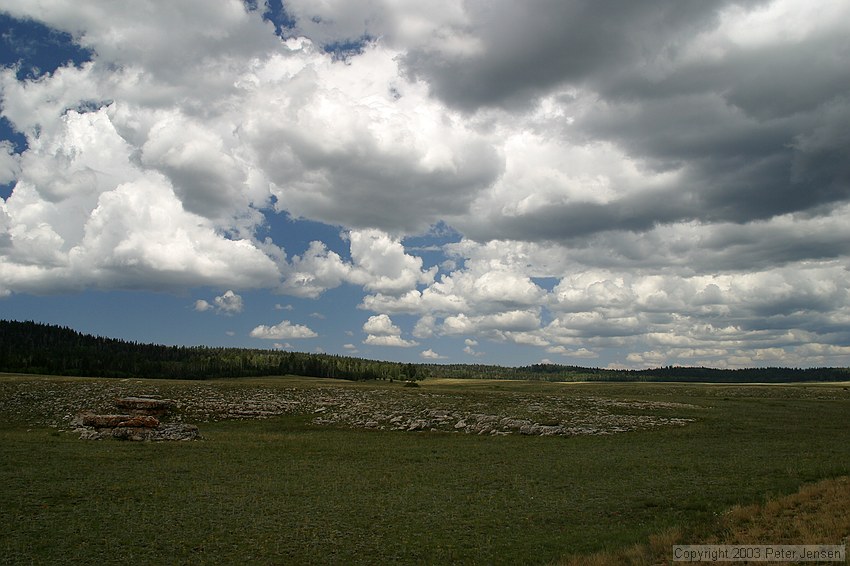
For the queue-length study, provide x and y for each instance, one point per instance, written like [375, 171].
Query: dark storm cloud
[755, 132]
[697, 248]
[573, 220]
[751, 132]
[528, 48]
[767, 81]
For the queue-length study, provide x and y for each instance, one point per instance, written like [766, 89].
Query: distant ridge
[32, 347]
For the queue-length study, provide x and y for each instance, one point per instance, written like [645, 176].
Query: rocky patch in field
[56, 403]
[540, 416]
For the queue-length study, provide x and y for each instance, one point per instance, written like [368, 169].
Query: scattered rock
[176, 431]
[418, 424]
[103, 421]
[131, 433]
[146, 405]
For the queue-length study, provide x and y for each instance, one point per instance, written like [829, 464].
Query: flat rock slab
[141, 421]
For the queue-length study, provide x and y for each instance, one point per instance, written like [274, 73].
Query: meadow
[320, 471]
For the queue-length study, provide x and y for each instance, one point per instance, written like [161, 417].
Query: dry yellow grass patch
[817, 514]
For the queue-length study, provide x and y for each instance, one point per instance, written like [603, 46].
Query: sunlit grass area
[287, 489]
[816, 514]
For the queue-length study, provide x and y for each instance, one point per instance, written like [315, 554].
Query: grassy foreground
[287, 490]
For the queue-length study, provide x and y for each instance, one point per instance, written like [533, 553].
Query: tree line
[557, 372]
[31, 347]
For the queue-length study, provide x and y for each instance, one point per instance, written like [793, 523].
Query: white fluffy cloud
[229, 303]
[328, 133]
[381, 264]
[283, 331]
[314, 272]
[430, 354]
[381, 325]
[202, 306]
[381, 331]
[378, 263]
[391, 341]
[469, 347]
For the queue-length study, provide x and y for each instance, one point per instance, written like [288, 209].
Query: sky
[597, 183]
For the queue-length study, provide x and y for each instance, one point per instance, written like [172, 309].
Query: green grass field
[284, 489]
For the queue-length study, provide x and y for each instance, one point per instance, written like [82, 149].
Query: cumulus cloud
[430, 354]
[382, 331]
[327, 133]
[381, 325]
[229, 303]
[283, 331]
[381, 264]
[378, 263]
[392, 341]
[314, 272]
[469, 347]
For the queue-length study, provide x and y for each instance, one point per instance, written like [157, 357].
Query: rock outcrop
[140, 422]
